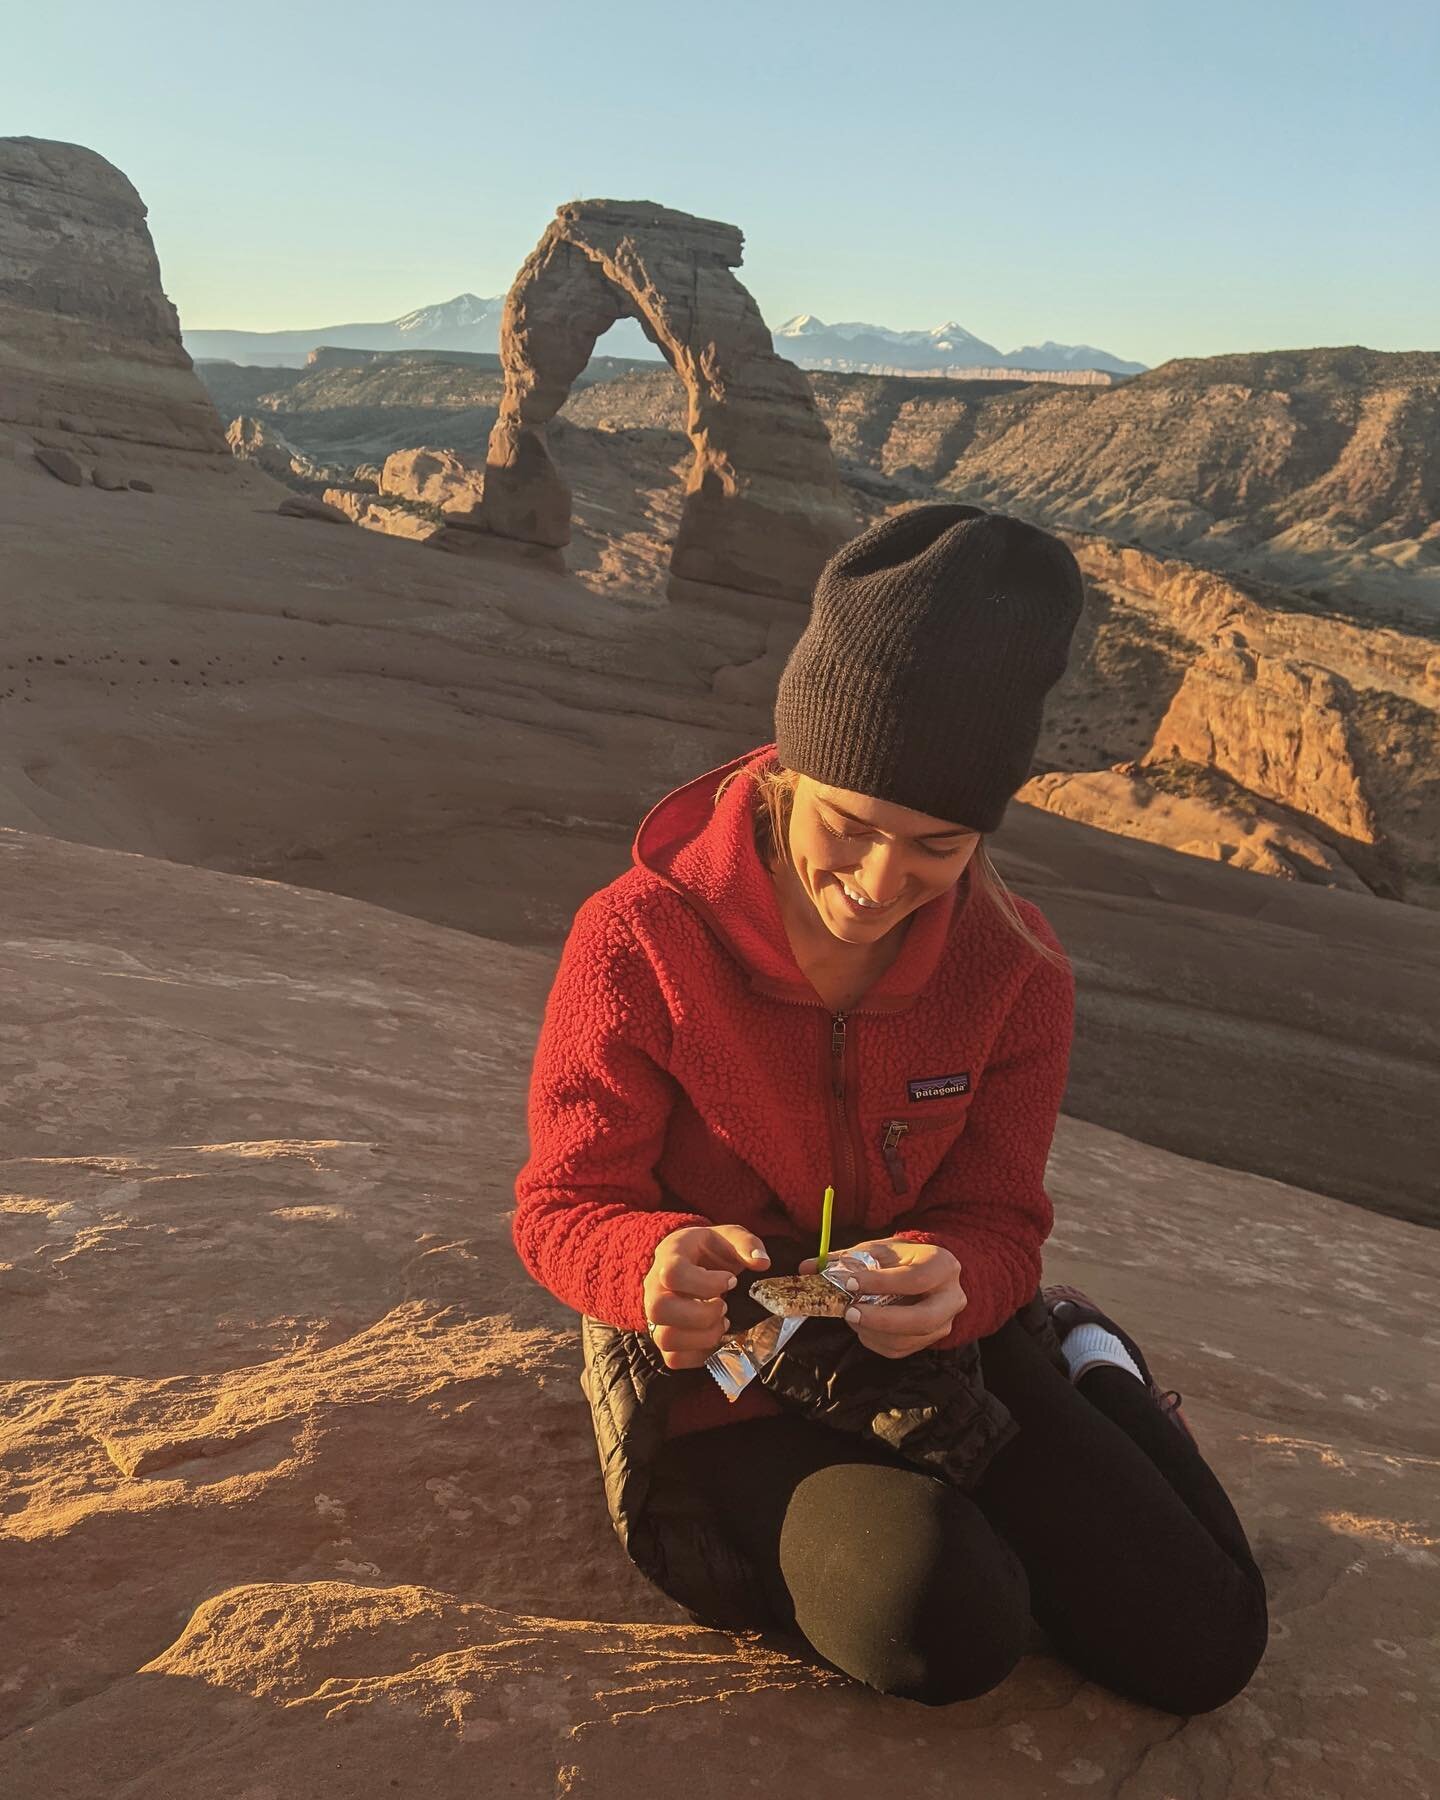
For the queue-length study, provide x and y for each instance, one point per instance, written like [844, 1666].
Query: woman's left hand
[925, 1281]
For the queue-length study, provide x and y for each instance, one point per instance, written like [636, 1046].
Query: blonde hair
[775, 796]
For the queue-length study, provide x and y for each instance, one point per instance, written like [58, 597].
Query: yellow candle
[825, 1214]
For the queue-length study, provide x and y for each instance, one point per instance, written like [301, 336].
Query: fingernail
[852, 1317]
[852, 1284]
[731, 1282]
[758, 1256]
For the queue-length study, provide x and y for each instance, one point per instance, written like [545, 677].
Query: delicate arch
[763, 502]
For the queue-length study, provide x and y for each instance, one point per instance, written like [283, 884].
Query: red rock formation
[442, 478]
[1279, 728]
[92, 358]
[763, 506]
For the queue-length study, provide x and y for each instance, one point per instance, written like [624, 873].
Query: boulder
[442, 478]
[375, 514]
[62, 465]
[110, 476]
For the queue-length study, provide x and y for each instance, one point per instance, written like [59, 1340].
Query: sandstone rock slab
[323, 1515]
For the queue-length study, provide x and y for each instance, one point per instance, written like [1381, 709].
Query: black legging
[1099, 1519]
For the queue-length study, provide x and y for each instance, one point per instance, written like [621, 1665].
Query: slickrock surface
[763, 501]
[473, 740]
[92, 359]
[298, 1491]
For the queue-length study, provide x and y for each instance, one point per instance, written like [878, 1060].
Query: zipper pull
[895, 1129]
[837, 1053]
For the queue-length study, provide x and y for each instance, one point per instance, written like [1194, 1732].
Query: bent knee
[961, 1672]
[929, 1605]
[1213, 1680]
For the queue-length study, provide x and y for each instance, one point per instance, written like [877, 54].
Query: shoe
[1069, 1307]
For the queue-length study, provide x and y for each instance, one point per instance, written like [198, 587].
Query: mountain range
[469, 322]
[859, 348]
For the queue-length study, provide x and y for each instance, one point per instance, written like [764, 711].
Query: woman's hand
[691, 1273]
[926, 1283]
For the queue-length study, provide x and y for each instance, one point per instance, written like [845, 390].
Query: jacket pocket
[893, 1133]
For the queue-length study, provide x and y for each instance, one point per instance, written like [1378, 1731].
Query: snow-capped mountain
[1051, 355]
[858, 347]
[468, 322]
[471, 322]
[466, 316]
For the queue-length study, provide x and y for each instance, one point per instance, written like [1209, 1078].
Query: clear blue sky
[1154, 178]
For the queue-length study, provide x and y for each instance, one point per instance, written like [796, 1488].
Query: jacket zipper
[895, 1129]
[850, 1184]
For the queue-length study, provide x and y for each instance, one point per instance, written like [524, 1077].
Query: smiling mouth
[858, 900]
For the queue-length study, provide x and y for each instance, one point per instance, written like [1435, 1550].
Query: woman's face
[865, 864]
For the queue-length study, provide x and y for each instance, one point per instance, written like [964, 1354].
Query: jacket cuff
[622, 1301]
[985, 1283]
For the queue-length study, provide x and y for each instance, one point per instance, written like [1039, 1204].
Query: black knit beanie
[933, 640]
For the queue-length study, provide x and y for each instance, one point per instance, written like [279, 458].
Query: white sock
[1087, 1345]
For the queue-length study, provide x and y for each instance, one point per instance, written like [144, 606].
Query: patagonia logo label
[939, 1087]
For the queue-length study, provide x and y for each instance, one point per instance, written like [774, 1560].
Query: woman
[812, 976]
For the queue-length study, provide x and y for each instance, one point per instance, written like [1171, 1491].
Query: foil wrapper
[739, 1358]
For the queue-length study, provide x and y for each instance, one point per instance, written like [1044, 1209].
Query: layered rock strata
[90, 353]
[1121, 800]
[763, 501]
[1279, 728]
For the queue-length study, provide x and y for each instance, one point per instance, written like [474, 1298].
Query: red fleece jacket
[688, 1074]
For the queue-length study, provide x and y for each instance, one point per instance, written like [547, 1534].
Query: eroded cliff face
[1313, 468]
[1255, 701]
[1280, 728]
[91, 362]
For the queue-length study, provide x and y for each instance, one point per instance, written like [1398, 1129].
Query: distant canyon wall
[1313, 468]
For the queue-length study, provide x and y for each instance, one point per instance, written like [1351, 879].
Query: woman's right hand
[692, 1271]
